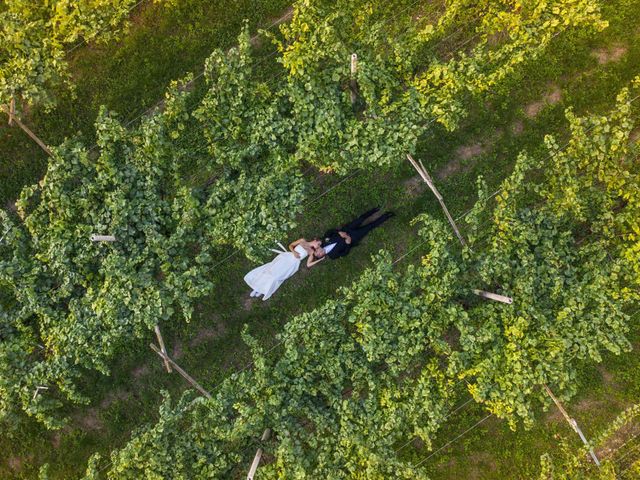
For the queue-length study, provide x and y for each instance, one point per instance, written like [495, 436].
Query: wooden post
[572, 423]
[427, 179]
[186, 376]
[38, 388]
[33, 136]
[103, 238]
[256, 459]
[354, 84]
[162, 348]
[493, 296]
[12, 110]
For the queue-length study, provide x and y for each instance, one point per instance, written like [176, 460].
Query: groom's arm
[346, 236]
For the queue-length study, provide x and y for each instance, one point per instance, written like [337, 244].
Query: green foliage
[82, 301]
[35, 34]
[337, 405]
[571, 464]
[398, 93]
[559, 247]
[258, 189]
[379, 364]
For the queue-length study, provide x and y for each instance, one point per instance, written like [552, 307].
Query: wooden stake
[572, 423]
[186, 376]
[256, 459]
[354, 83]
[26, 129]
[38, 388]
[427, 179]
[493, 296]
[103, 238]
[162, 348]
[12, 110]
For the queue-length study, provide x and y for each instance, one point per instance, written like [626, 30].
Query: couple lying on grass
[336, 243]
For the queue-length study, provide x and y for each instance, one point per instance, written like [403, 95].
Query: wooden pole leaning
[162, 348]
[572, 423]
[422, 171]
[256, 460]
[13, 118]
[186, 376]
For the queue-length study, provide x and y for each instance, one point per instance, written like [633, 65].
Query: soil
[207, 334]
[553, 96]
[414, 186]
[610, 54]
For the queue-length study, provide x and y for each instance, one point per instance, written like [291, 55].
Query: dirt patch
[610, 54]
[463, 159]
[451, 168]
[620, 439]
[414, 186]
[141, 371]
[518, 127]
[482, 462]
[205, 335]
[607, 377]
[247, 303]
[553, 96]
[90, 420]
[468, 151]
[634, 136]
[15, 463]
[11, 206]
[113, 397]
[177, 351]
[56, 440]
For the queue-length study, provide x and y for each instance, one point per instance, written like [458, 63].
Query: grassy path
[584, 72]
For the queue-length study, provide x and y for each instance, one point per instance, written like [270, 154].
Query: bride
[266, 279]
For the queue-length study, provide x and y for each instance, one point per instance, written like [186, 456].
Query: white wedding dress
[266, 279]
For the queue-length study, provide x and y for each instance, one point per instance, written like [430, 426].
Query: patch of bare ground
[553, 96]
[482, 462]
[89, 421]
[518, 127]
[582, 409]
[207, 334]
[618, 440]
[15, 463]
[177, 352]
[414, 186]
[465, 157]
[612, 53]
[607, 377]
[634, 136]
[140, 371]
[113, 397]
[11, 206]
[56, 440]
[248, 302]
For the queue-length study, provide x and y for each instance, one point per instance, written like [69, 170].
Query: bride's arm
[311, 262]
[293, 245]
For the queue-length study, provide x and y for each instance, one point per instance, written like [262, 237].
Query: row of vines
[387, 360]
[69, 305]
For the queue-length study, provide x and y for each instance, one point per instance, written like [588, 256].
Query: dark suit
[355, 230]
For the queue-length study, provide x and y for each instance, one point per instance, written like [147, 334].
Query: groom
[338, 243]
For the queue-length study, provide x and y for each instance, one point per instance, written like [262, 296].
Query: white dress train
[266, 279]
